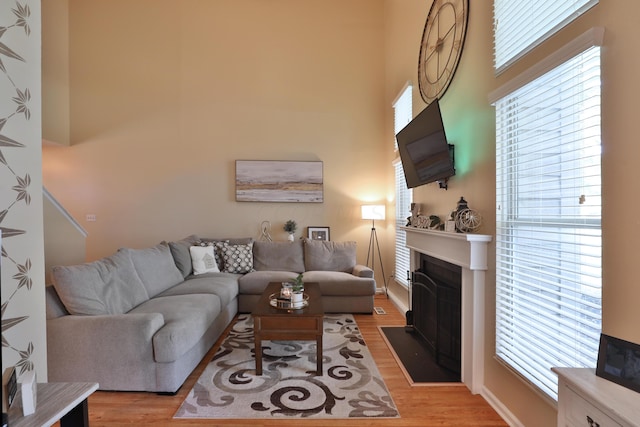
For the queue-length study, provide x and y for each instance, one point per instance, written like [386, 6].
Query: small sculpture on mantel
[431, 222]
[466, 220]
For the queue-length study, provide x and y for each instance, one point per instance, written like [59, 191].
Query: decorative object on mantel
[619, 361]
[432, 222]
[265, 234]
[374, 212]
[466, 220]
[290, 227]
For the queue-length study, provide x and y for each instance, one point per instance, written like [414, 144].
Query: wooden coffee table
[305, 324]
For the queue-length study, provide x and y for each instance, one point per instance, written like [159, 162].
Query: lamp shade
[373, 212]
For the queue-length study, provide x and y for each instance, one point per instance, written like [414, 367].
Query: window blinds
[548, 222]
[403, 113]
[403, 202]
[521, 25]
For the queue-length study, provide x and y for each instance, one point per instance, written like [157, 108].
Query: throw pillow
[322, 255]
[203, 260]
[217, 249]
[238, 258]
[181, 255]
[278, 256]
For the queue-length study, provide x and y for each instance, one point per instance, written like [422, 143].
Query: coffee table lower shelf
[305, 324]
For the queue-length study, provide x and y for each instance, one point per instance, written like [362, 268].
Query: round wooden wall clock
[441, 46]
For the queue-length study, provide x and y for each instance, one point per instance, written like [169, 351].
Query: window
[548, 214]
[403, 113]
[541, 19]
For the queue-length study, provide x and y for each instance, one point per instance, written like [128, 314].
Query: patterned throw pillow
[237, 258]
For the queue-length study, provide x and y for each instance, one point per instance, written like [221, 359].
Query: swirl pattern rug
[351, 385]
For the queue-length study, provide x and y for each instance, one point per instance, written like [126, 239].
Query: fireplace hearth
[436, 316]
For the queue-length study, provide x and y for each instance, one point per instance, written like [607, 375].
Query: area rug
[351, 385]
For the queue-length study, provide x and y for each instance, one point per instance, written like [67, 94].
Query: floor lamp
[374, 212]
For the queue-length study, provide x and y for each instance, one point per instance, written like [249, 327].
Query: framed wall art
[318, 233]
[619, 361]
[279, 181]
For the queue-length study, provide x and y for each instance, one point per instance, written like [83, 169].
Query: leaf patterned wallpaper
[22, 268]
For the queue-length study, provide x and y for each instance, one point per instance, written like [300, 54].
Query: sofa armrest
[362, 271]
[78, 346]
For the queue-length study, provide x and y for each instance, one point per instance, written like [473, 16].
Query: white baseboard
[401, 306]
[500, 408]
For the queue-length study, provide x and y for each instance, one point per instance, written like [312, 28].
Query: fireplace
[469, 252]
[436, 317]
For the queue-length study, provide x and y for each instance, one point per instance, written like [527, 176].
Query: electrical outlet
[90, 217]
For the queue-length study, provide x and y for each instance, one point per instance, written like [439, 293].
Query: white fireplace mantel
[468, 251]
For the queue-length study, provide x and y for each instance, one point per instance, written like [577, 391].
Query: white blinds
[521, 25]
[403, 113]
[403, 202]
[548, 230]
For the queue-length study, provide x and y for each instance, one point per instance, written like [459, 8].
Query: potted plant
[297, 289]
[290, 227]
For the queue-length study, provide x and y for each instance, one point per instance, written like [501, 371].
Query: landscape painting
[278, 181]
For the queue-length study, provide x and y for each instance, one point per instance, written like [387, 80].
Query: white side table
[585, 399]
[66, 402]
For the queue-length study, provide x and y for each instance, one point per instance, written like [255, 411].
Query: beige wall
[55, 71]
[468, 116]
[166, 95]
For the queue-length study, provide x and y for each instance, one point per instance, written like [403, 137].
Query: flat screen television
[424, 151]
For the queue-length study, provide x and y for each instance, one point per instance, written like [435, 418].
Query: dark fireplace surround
[436, 309]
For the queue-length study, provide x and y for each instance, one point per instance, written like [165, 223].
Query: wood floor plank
[422, 406]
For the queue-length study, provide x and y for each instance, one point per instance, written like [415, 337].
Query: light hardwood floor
[419, 405]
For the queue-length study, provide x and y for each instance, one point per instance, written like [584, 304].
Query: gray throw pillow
[320, 255]
[181, 254]
[278, 256]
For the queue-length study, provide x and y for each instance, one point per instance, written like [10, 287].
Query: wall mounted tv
[424, 151]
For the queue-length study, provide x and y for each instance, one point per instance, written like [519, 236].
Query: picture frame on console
[318, 233]
[619, 361]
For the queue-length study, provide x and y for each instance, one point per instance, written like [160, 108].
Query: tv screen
[424, 151]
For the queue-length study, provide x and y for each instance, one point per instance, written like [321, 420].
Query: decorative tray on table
[275, 300]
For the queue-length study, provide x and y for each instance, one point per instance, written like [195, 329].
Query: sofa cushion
[186, 319]
[329, 256]
[203, 259]
[237, 258]
[110, 285]
[224, 285]
[181, 255]
[281, 256]
[254, 283]
[334, 283]
[155, 267]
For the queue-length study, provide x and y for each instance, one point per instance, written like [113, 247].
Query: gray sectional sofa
[142, 320]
